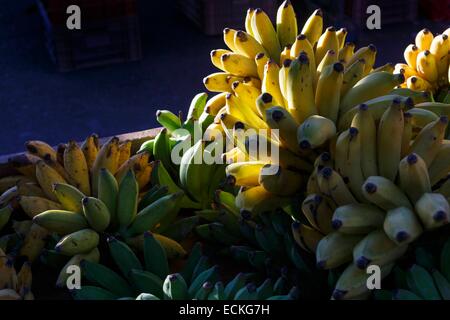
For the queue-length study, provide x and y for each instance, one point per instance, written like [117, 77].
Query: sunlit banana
[96, 213]
[265, 33]
[313, 27]
[423, 39]
[357, 218]
[69, 196]
[384, 193]
[79, 242]
[433, 210]
[328, 91]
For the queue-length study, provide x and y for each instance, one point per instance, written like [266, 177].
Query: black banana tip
[318, 12]
[338, 67]
[305, 145]
[266, 97]
[230, 180]
[85, 200]
[226, 30]
[363, 107]
[444, 36]
[412, 159]
[362, 262]
[401, 78]
[440, 216]
[336, 224]
[413, 79]
[407, 115]
[239, 126]
[370, 188]
[258, 10]
[321, 265]
[427, 53]
[260, 56]
[301, 37]
[409, 103]
[277, 115]
[372, 47]
[318, 199]
[325, 156]
[303, 58]
[402, 236]
[287, 63]
[241, 36]
[353, 132]
[235, 84]
[326, 172]
[339, 294]
[443, 119]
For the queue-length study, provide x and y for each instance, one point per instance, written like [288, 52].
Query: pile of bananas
[301, 85]
[427, 64]
[152, 280]
[15, 285]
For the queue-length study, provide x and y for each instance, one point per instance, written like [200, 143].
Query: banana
[100, 275]
[265, 33]
[93, 256]
[440, 166]
[271, 82]
[239, 65]
[41, 149]
[357, 218]
[244, 173]
[82, 241]
[24, 280]
[280, 119]
[407, 134]
[389, 140]
[422, 117]
[410, 55]
[127, 201]
[47, 177]
[125, 151]
[247, 94]
[25, 164]
[327, 41]
[426, 66]
[306, 237]
[124, 257]
[341, 34]
[33, 206]
[215, 103]
[313, 27]
[96, 213]
[429, 139]
[352, 75]
[335, 249]
[155, 256]
[345, 54]
[257, 199]
[319, 211]
[108, 158]
[413, 176]
[90, 149]
[384, 193]
[261, 60]
[348, 160]
[152, 216]
[299, 87]
[77, 167]
[5, 214]
[69, 197]
[243, 112]
[282, 182]
[282, 76]
[300, 45]
[175, 287]
[439, 49]
[248, 21]
[34, 242]
[168, 120]
[228, 38]
[418, 97]
[388, 67]
[173, 249]
[248, 45]
[285, 54]
[11, 181]
[418, 84]
[372, 86]
[136, 162]
[328, 91]
[363, 121]
[315, 131]
[329, 59]
[368, 54]
[405, 69]
[352, 284]
[423, 40]
[220, 82]
[108, 191]
[216, 57]
[402, 226]
[287, 28]
[21, 228]
[332, 185]
[433, 210]
[376, 248]
[210, 275]
[60, 221]
[442, 109]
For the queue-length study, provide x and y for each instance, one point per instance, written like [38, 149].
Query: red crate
[99, 42]
[436, 10]
[212, 16]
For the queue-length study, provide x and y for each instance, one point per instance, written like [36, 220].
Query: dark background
[38, 102]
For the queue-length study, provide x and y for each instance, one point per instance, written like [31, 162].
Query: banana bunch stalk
[427, 279]
[295, 84]
[427, 65]
[385, 183]
[152, 280]
[185, 161]
[15, 285]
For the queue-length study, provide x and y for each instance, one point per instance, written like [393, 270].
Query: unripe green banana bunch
[384, 183]
[152, 280]
[296, 85]
[186, 160]
[427, 66]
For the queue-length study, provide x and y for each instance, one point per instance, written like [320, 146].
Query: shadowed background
[38, 102]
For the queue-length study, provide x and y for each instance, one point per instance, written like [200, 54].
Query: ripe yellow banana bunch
[383, 183]
[294, 84]
[16, 285]
[427, 66]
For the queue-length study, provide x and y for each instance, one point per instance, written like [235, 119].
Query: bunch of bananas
[385, 183]
[427, 64]
[152, 280]
[15, 285]
[192, 173]
[301, 85]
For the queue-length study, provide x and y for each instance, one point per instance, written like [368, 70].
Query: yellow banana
[423, 39]
[433, 210]
[439, 48]
[282, 76]
[327, 41]
[313, 27]
[69, 196]
[220, 82]
[418, 84]
[346, 52]
[414, 179]
[300, 45]
[352, 75]
[47, 177]
[77, 167]
[271, 81]
[216, 57]
[335, 249]
[306, 237]
[341, 35]
[257, 199]
[357, 218]
[287, 28]
[384, 193]
[24, 279]
[369, 54]
[41, 149]
[33, 206]
[407, 134]
[244, 173]
[280, 119]
[34, 242]
[314, 132]
[426, 66]
[410, 55]
[239, 65]
[125, 152]
[138, 161]
[228, 38]
[319, 212]
[332, 185]
[285, 54]
[300, 92]
[261, 60]
[248, 22]
[279, 181]
[247, 94]
[265, 33]
[263, 103]
[25, 164]
[422, 117]
[90, 149]
[329, 59]
[108, 158]
[328, 91]
[388, 67]
[215, 103]
[402, 226]
[248, 45]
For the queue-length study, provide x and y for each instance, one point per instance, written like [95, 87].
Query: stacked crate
[109, 33]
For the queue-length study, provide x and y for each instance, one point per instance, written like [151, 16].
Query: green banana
[123, 256]
[384, 193]
[108, 193]
[209, 275]
[96, 213]
[144, 281]
[93, 293]
[402, 226]
[127, 201]
[413, 176]
[175, 287]
[69, 196]
[82, 241]
[61, 222]
[357, 218]
[155, 256]
[433, 210]
[168, 120]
